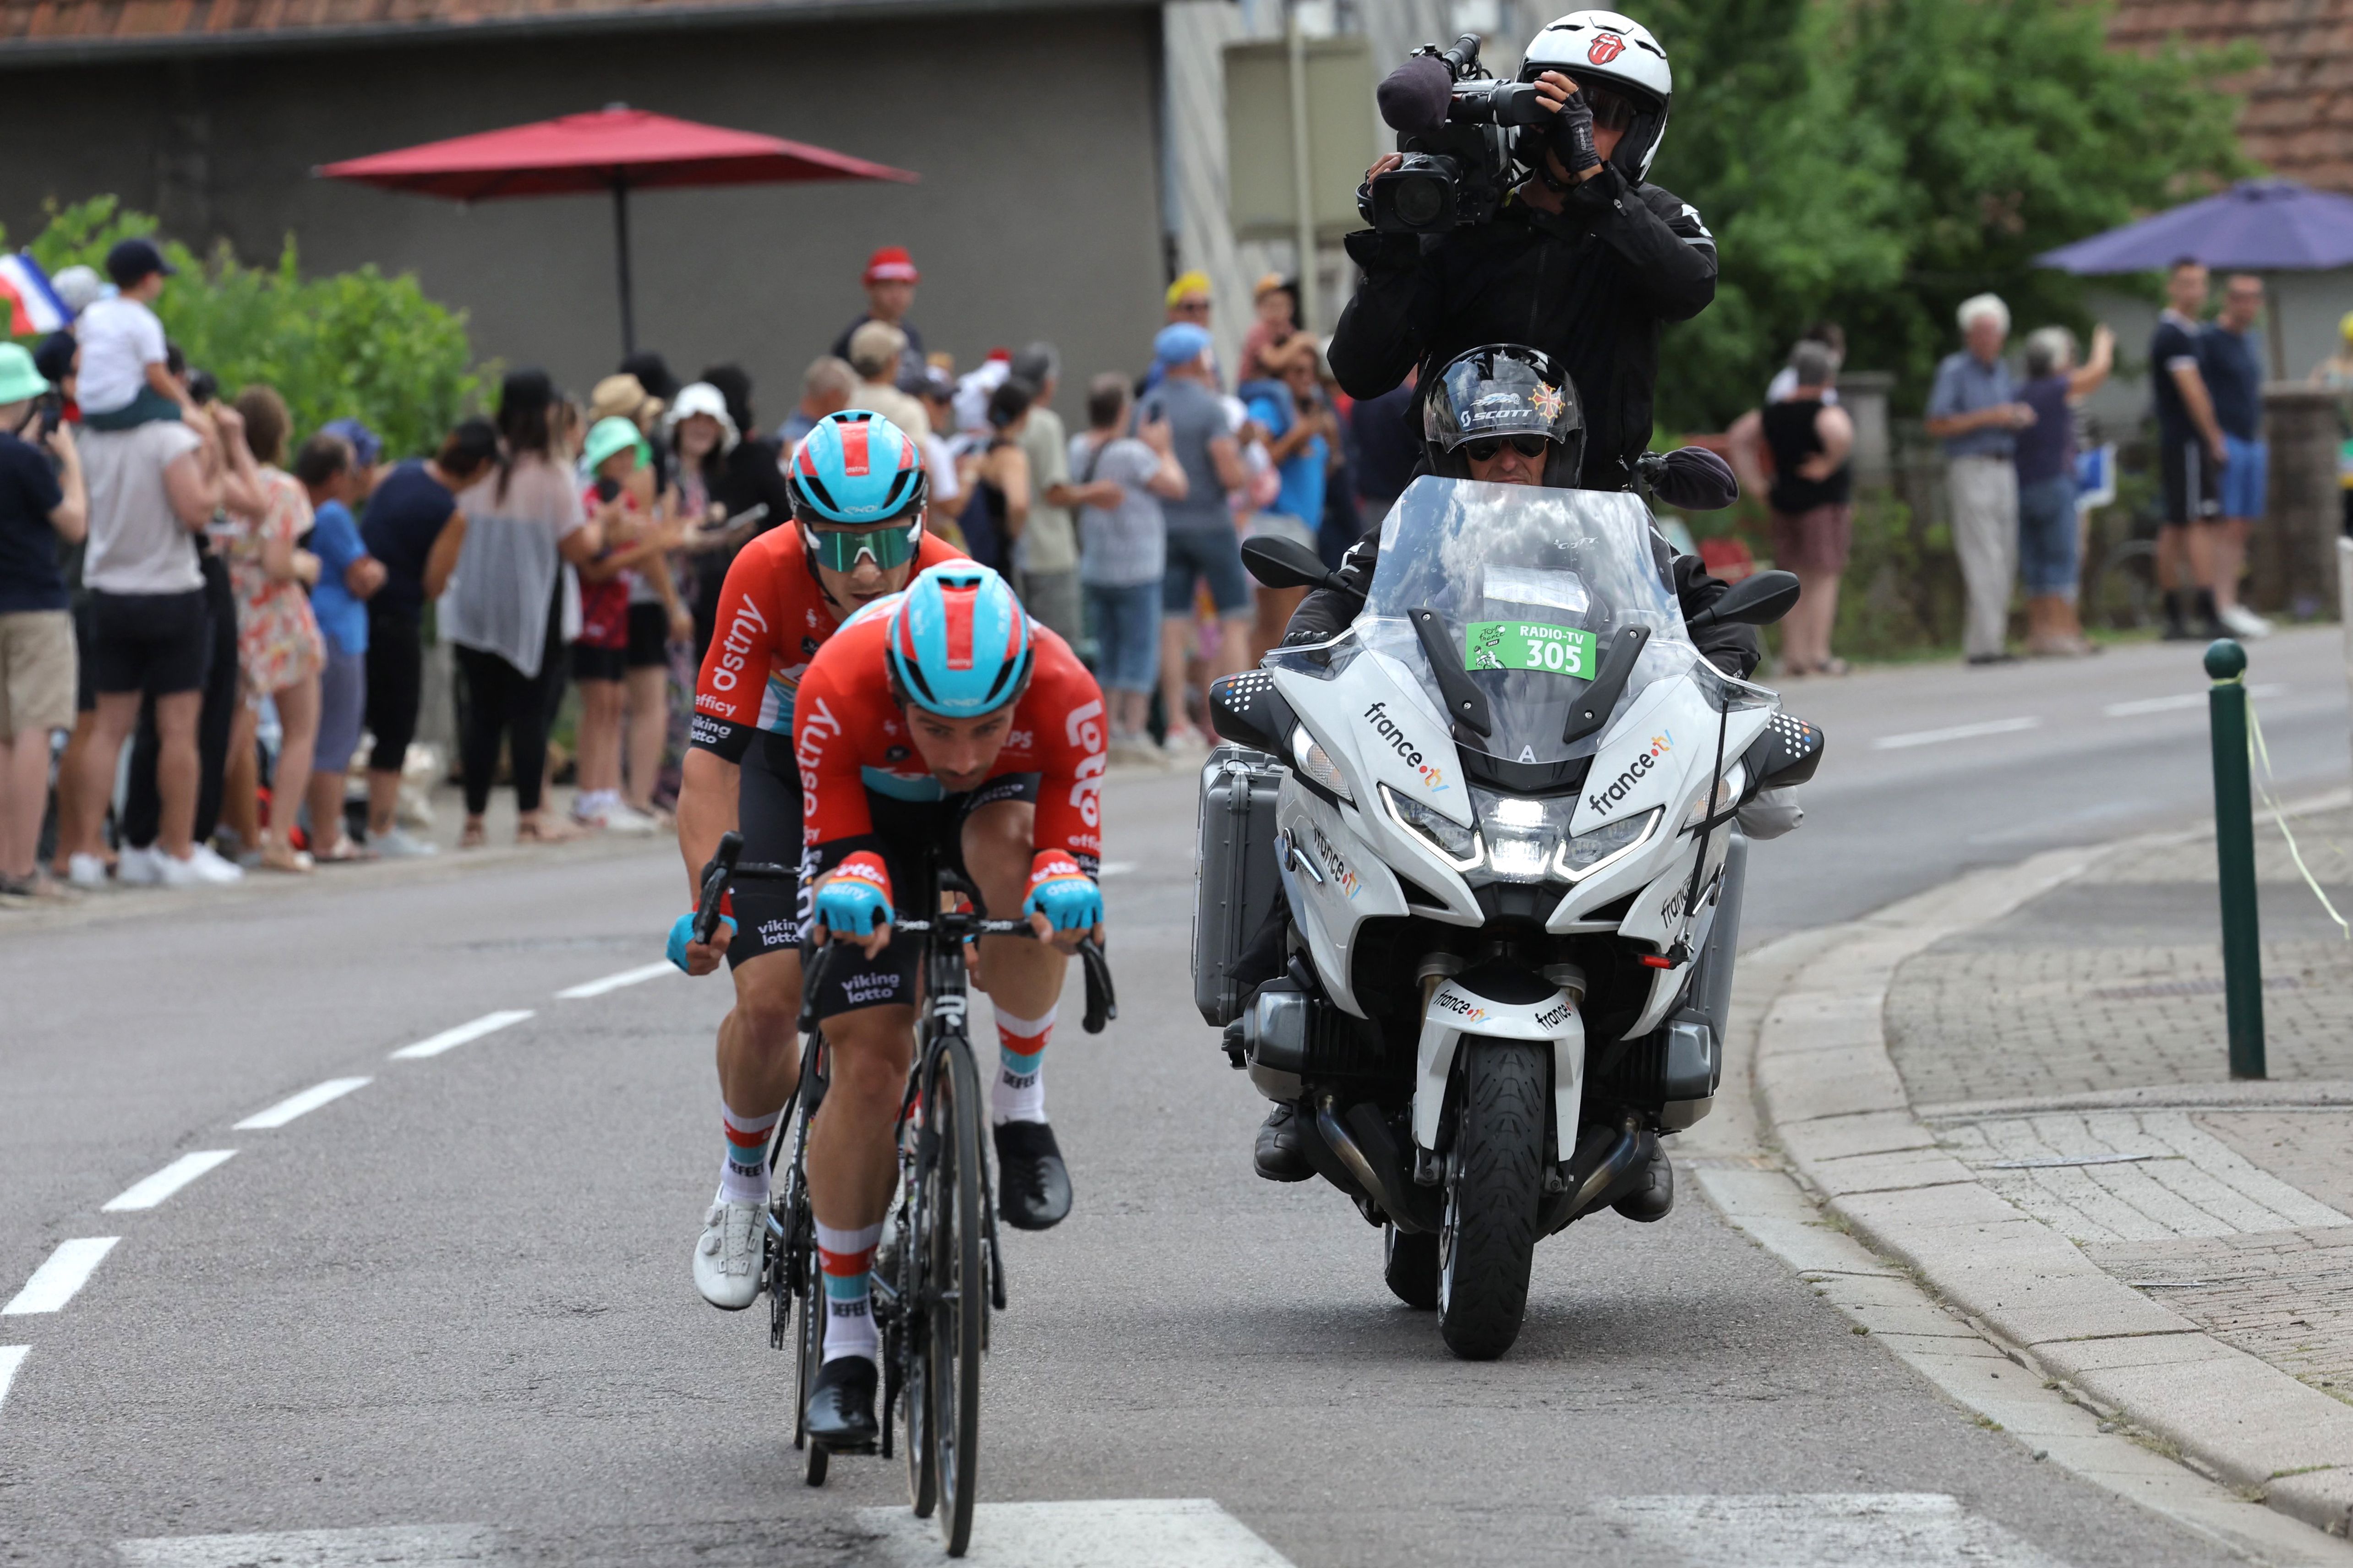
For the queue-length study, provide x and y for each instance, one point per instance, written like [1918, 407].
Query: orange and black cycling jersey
[773, 618]
[850, 737]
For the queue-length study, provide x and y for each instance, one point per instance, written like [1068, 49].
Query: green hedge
[352, 344]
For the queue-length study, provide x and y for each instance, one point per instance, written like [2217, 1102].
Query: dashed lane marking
[146, 1194]
[1117, 868]
[450, 1039]
[301, 1104]
[643, 971]
[11, 1358]
[1957, 732]
[390, 1546]
[1143, 1533]
[1820, 1529]
[2179, 700]
[62, 1273]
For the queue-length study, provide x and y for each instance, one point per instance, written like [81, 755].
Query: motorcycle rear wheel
[1410, 1267]
[1494, 1179]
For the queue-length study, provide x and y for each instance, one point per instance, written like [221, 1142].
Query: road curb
[1828, 1090]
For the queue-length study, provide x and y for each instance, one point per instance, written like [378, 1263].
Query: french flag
[33, 306]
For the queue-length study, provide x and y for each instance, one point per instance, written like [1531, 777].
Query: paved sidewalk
[2071, 1054]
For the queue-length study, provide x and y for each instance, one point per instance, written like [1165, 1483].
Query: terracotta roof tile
[2298, 120]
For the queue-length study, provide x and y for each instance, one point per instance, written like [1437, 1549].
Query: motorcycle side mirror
[1287, 563]
[1758, 600]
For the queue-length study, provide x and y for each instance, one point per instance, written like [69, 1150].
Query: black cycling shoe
[1033, 1185]
[1281, 1155]
[1653, 1196]
[841, 1411]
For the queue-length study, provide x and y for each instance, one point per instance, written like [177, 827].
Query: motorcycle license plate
[1528, 645]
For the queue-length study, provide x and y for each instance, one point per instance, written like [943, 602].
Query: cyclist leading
[859, 488]
[941, 722]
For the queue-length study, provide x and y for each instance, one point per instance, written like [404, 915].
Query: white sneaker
[85, 870]
[615, 816]
[1185, 744]
[136, 867]
[397, 844]
[212, 869]
[2243, 622]
[727, 1260]
[171, 873]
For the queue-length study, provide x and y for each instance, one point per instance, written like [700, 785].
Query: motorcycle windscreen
[1532, 584]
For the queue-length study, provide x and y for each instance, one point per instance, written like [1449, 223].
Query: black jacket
[1732, 648]
[1589, 286]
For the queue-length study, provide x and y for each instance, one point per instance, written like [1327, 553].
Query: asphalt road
[447, 1313]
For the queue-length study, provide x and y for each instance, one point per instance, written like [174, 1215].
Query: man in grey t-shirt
[1203, 545]
[1123, 556]
[1047, 554]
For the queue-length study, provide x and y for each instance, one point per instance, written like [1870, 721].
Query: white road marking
[2179, 700]
[1117, 868]
[62, 1273]
[1957, 732]
[389, 1546]
[1143, 1533]
[450, 1039]
[146, 1194]
[1821, 1530]
[301, 1104]
[11, 1358]
[615, 982]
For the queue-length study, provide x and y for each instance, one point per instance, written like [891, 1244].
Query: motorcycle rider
[1585, 261]
[1500, 414]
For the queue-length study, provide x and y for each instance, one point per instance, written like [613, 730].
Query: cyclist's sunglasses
[892, 545]
[1486, 446]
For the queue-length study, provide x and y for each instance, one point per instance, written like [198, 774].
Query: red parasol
[617, 149]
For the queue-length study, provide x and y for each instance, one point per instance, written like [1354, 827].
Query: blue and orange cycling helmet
[856, 466]
[959, 642]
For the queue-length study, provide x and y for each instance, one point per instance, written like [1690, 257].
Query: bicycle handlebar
[728, 866]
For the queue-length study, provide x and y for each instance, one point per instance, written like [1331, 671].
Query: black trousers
[503, 703]
[143, 807]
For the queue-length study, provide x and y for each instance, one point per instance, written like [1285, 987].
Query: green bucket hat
[18, 380]
[607, 436]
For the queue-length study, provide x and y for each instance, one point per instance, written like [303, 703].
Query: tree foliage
[1876, 161]
[350, 343]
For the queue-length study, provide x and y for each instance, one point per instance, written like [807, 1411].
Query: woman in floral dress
[279, 648]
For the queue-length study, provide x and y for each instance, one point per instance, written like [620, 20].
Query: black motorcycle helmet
[1497, 392]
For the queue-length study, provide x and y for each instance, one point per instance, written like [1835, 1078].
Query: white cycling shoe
[727, 1260]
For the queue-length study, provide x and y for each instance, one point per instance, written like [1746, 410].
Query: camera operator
[1584, 261]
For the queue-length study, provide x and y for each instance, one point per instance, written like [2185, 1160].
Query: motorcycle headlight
[1316, 763]
[1458, 845]
[1521, 833]
[1589, 853]
[1727, 790]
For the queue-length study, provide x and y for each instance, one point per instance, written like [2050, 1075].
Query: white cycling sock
[744, 1174]
[845, 1259]
[1019, 1092]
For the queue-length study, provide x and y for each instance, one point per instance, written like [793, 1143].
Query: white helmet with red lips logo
[1608, 54]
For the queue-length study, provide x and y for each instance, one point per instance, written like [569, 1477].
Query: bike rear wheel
[956, 1289]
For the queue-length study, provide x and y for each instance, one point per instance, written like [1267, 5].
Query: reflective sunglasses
[1486, 446]
[894, 544]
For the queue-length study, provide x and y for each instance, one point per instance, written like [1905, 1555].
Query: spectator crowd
[214, 626]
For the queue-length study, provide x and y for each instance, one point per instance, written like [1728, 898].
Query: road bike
[940, 1273]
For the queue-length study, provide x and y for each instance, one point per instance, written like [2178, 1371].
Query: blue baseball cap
[365, 446]
[133, 260]
[1180, 342]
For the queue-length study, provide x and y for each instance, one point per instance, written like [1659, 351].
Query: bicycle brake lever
[1102, 1003]
[715, 885]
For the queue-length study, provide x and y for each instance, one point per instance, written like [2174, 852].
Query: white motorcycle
[1502, 805]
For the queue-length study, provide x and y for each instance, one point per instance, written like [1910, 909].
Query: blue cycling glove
[1065, 895]
[681, 931]
[857, 897]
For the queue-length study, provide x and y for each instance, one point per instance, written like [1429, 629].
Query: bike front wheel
[955, 1288]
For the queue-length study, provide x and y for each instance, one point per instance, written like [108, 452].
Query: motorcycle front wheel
[1494, 1179]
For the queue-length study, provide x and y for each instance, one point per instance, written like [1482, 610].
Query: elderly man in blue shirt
[1974, 411]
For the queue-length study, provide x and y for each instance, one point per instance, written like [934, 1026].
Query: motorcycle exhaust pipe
[1622, 1156]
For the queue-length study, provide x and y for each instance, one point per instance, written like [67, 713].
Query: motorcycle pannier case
[1234, 876]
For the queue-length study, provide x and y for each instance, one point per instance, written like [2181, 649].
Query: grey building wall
[1039, 213]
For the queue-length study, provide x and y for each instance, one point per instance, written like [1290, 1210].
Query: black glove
[1378, 251]
[1690, 479]
[1572, 136]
